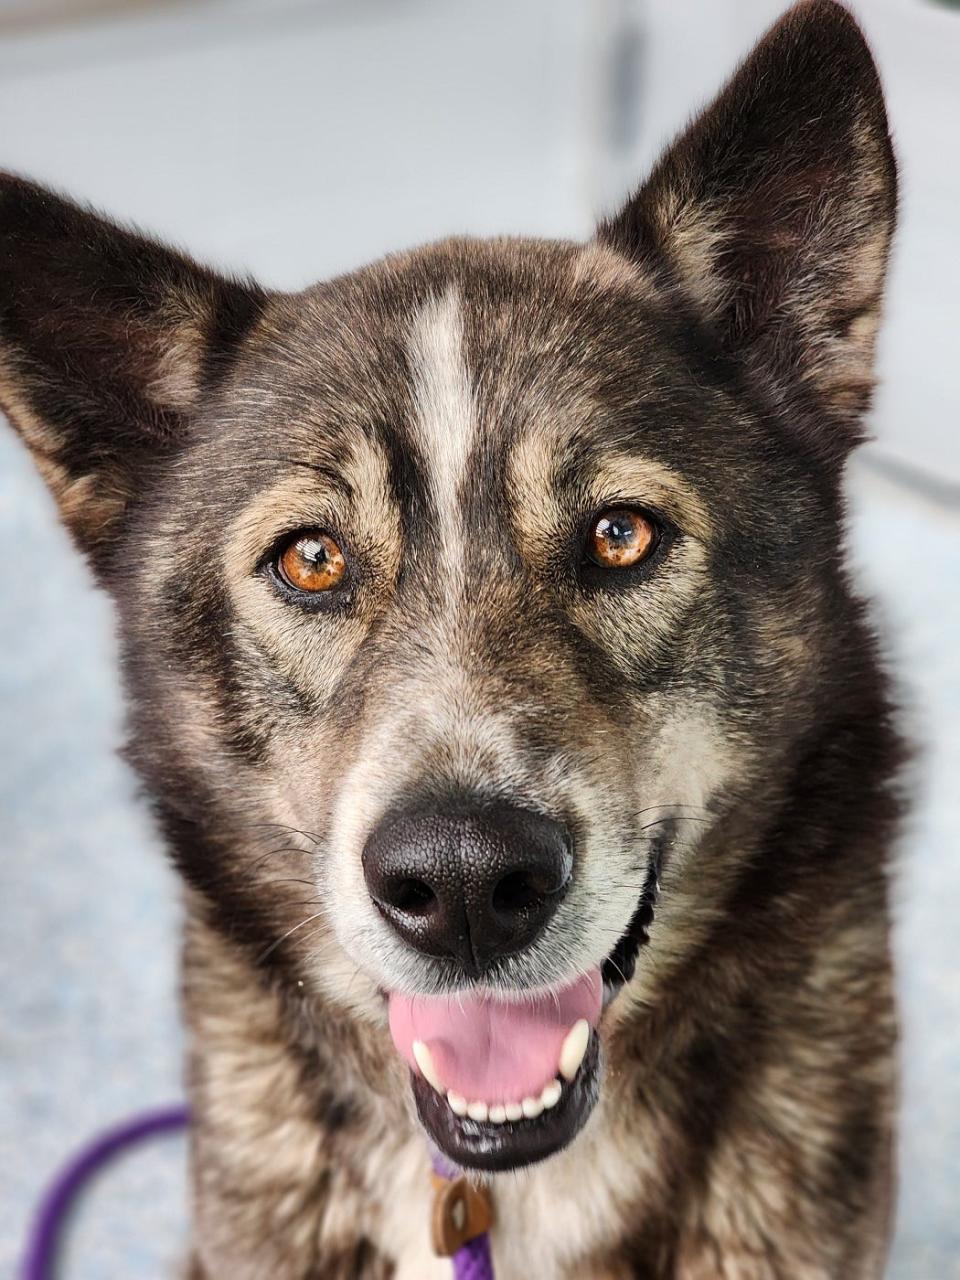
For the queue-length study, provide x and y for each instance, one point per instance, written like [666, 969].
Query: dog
[505, 705]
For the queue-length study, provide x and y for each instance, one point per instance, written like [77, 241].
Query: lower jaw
[497, 1148]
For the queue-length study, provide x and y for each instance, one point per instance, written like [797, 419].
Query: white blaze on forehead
[444, 410]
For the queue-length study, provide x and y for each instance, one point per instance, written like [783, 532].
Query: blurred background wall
[298, 138]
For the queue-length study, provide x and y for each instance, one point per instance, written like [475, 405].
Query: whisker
[273, 945]
[653, 808]
[660, 822]
[357, 973]
[282, 826]
[276, 853]
[258, 862]
[613, 965]
[307, 936]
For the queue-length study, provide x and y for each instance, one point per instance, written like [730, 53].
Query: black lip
[496, 1148]
[620, 965]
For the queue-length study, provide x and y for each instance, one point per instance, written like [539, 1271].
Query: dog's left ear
[109, 343]
[773, 214]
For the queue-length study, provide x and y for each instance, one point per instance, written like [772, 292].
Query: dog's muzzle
[500, 1080]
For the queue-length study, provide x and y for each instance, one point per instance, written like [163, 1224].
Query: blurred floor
[202, 137]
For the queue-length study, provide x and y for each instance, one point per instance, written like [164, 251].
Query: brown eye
[312, 562]
[621, 538]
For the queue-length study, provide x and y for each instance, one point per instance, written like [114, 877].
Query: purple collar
[472, 1261]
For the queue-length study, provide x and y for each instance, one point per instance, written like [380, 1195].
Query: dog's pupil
[313, 551]
[312, 562]
[619, 530]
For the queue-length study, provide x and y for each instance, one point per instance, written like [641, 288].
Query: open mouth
[500, 1084]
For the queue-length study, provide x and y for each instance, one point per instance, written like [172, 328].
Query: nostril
[471, 881]
[517, 891]
[412, 896]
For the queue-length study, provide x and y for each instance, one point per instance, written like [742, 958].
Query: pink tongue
[489, 1050]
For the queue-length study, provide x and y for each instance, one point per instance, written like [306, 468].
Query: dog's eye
[620, 538]
[312, 562]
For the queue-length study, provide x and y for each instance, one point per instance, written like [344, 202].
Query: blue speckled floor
[88, 910]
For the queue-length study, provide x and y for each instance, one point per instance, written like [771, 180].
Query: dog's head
[470, 599]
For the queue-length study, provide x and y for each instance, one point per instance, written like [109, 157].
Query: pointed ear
[108, 342]
[773, 214]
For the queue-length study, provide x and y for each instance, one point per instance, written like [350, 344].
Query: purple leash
[471, 1262]
[40, 1259]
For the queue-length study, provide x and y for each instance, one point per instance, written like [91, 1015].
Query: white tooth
[551, 1094]
[497, 1115]
[574, 1047]
[457, 1103]
[514, 1112]
[532, 1107]
[424, 1060]
[477, 1111]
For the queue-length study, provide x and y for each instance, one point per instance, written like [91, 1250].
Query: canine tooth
[424, 1060]
[551, 1094]
[514, 1112]
[457, 1103]
[573, 1049]
[532, 1107]
[477, 1111]
[497, 1115]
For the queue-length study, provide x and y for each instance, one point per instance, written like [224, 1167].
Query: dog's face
[468, 600]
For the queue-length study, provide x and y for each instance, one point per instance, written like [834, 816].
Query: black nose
[474, 884]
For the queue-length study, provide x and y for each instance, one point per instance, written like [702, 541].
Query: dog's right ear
[108, 343]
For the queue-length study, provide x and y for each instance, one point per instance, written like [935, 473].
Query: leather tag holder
[461, 1212]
